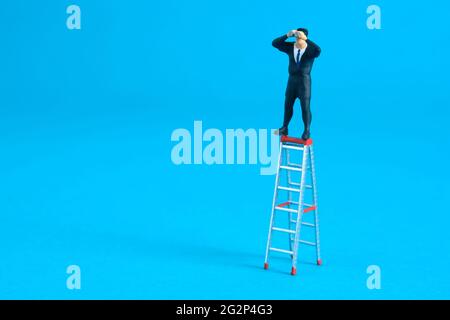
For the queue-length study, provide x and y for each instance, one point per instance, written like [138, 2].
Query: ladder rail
[289, 180]
[300, 213]
[316, 211]
[275, 193]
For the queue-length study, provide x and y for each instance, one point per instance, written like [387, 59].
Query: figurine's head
[301, 36]
[304, 30]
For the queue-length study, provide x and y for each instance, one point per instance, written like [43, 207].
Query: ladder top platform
[296, 140]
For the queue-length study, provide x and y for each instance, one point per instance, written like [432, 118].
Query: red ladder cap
[293, 271]
[296, 140]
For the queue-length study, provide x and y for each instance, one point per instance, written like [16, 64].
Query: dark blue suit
[299, 82]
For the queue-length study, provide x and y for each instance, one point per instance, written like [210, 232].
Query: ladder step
[307, 243]
[281, 250]
[307, 186]
[285, 209]
[291, 168]
[305, 204]
[294, 165]
[309, 208]
[283, 230]
[312, 225]
[287, 146]
[304, 223]
[288, 189]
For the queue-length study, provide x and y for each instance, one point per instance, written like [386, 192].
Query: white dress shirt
[302, 51]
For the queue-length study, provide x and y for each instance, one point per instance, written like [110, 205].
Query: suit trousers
[289, 109]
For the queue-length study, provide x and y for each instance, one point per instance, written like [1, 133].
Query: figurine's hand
[301, 35]
[291, 33]
[302, 43]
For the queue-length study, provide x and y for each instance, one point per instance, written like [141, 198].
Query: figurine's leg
[306, 115]
[288, 109]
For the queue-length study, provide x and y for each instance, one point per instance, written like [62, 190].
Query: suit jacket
[299, 83]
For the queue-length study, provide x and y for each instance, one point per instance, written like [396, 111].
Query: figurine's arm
[281, 44]
[315, 52]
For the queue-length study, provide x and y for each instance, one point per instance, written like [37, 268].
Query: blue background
[86, 175]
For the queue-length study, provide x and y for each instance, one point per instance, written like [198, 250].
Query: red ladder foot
[319, 262]
[293, 271]
[266, 266]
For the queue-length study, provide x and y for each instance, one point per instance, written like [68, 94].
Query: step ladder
[299, 183]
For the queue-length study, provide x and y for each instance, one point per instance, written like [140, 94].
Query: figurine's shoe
[306, 135]
[283, 131]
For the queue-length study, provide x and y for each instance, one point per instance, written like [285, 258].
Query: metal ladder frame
[287, 144]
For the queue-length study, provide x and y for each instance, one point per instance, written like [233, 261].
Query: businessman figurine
[301, 55]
